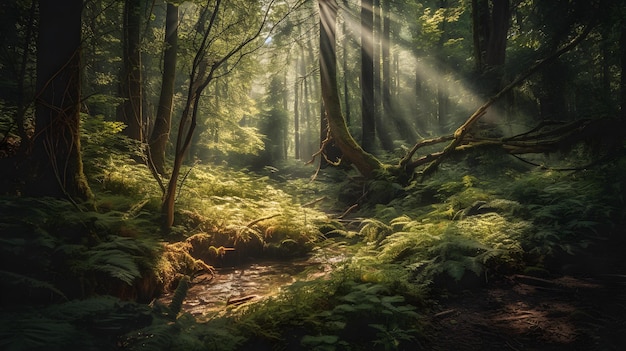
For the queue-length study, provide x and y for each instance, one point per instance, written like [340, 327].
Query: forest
[312, 175]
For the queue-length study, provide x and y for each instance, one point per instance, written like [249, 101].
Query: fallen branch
[541, 140]
[251, 223]
[346, 212]
[311, 203]
[423, 143]
[463, 130]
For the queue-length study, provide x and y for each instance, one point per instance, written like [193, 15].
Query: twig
[444, 313]
[182, 181]
[311, 203]
[250, 224]
[346, 212]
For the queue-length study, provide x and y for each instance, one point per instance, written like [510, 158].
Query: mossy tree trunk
[57, 168]
[366, 163]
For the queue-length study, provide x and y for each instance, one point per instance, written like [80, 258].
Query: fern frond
[19, 282]
[113, 262]
[374, 230]
[36, 333]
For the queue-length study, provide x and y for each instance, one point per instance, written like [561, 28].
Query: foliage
[247, 212]
[67, 252]
[568, 213]
[109, 158]
[81, 324]
[337, 313]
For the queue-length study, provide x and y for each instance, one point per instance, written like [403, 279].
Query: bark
[130, 111]
[496, 46]
[352, 152]
[476, 38]
[386, 51]
[162, 124]
[346, 92]
[442, 95]
[368, 121]
[56, 158]
[296, 108]
[622, 56]
[309, 109]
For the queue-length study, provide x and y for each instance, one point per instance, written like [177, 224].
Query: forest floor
[527, 313]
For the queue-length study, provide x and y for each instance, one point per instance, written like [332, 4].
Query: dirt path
[527, 313]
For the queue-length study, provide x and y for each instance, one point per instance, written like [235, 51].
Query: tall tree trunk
[130, 112]
[480, 31]
[368, 120]
[344, 61]
[495, 51]
[622, 57]
[162, 124]
[442, 94]
[296, 107]
[309, 110]
[496, 46]
[56, 157]
[380, 105]
[352, 152]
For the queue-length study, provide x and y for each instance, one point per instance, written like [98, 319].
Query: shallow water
[254, 280]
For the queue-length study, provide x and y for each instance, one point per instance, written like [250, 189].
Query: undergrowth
[70, 273]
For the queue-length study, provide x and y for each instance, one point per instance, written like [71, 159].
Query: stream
[254, 281]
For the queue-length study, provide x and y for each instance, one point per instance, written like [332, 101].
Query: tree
[130, 111]
[337, 129]
[490, 25]
[622, 56]
[228, 33]
[56, 161]
[368, 119]
[162, 124]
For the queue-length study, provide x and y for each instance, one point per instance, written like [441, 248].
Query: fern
[20, 282]
[36, 333]
[115, 263]
[117, 258]
[374, 230]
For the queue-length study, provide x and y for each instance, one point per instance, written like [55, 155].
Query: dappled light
[312, 175]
